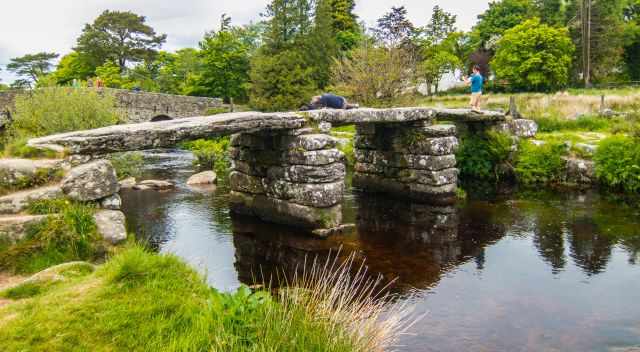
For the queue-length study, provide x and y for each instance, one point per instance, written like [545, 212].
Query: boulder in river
[128, 183]
[113, 202]
[92, 181]
[154, 184]
[203, 178]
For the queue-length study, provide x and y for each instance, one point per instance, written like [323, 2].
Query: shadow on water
[554, 271]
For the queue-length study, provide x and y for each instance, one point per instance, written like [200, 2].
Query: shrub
[210, 153]
[55, 110]
[618, 163]
[480, 156]
[127, 164]
[539, 164]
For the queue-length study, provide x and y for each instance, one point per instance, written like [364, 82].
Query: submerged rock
[91, 181]
[111, 225]
[154, 184]
[203, 178]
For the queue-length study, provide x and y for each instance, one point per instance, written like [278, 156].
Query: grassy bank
[140, 301]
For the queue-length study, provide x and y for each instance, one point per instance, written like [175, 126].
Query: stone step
[18, 202]
[13, 227]
[14, 172]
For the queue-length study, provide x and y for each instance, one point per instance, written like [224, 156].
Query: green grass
[69, 235]
[211, 154]
[127, 164]
[140, 301]
[618, 163]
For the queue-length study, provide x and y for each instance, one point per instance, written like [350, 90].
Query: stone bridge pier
[293, 177]
[412, 160]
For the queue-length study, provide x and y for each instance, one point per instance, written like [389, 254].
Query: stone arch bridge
[139, 106]
[286, 168]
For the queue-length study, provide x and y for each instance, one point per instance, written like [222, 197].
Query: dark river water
[555, 271]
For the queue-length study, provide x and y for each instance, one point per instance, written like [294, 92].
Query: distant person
[328, 101]
[476, 81]
[89, 83]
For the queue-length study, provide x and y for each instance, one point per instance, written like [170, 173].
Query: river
[554, 271]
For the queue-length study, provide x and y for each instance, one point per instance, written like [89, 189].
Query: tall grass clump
[61, 109]
[211, 154]
[540, 164]
[139, 301]
[618, 162]
[127, 164]
[68, 233]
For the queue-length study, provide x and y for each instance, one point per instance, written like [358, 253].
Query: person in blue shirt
[328, 101]
[476, 81]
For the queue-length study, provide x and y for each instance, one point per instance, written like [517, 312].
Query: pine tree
[345, 23]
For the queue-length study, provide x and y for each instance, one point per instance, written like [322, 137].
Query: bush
[618, 163]
[540, 164]
[56, 110]
[480, 156]
[127, 164]
[210, 153]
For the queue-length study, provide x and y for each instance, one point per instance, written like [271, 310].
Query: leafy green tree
[31, 67]
[226, 65]
[440, 59]
[551, 12]
[289, 21]
[442, 24]
[179, 72]
[345, 24]
[281, 81]
[534, 56]
[632, 39]
[72, 66]
[121, 37]
[500, 17]
[394, 29]
[322, 44]
[110, 74]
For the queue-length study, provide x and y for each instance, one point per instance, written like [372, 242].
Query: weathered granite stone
[360, 116]
[17, 202]
[519, 127]
[250, 169]
[432, 178]
[203, 178]
[128, 183]
[324, 127]
[149, 135]
[580, 171]
[413, 191]
[322, 195]
[366, 129]
[314, 158]
[439, 130]
[430, 146]
[365, 142]
[91, 181]
[13, 228]
[111, 225]
[280, 211]
[17, 171]
[311, 142]
[587, 148]
[308, 174]
[113, 202]
[245, 183]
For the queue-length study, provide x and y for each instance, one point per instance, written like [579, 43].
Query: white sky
[30, 26]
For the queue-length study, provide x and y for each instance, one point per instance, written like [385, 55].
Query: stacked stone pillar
[293, 177]
[412, 160]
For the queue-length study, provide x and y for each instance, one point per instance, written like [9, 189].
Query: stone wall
[412, 160]
[293, 177]
[142, 106]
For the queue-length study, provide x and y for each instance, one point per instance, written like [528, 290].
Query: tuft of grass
[68, 235]
[212, 154]
[540, 164]
[480, 156]
[127, 164]
[139, 301]
[17, 147]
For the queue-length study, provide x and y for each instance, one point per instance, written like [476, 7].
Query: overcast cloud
[29, 26]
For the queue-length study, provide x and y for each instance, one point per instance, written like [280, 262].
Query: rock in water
[91, 181]
[111, 225]
[128, 183]
[203, 178]
[113, 202]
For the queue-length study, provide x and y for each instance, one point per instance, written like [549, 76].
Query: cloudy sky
[29, 26]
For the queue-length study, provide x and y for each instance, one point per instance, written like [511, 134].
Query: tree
[440, 59]
[288, 22]
[322, 44]
[500, 17]
[551, 12]
[72, 66]
[442, 24]
[394, 29]
[632, 39]
[225, 65]
[534, 56]
[31, 66]
[345, 24]
[281, 81]
[121, 37]
[110, 75]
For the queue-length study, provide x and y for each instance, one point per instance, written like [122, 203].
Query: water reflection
[524, 272]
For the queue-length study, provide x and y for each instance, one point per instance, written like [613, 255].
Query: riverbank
[139, 301]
